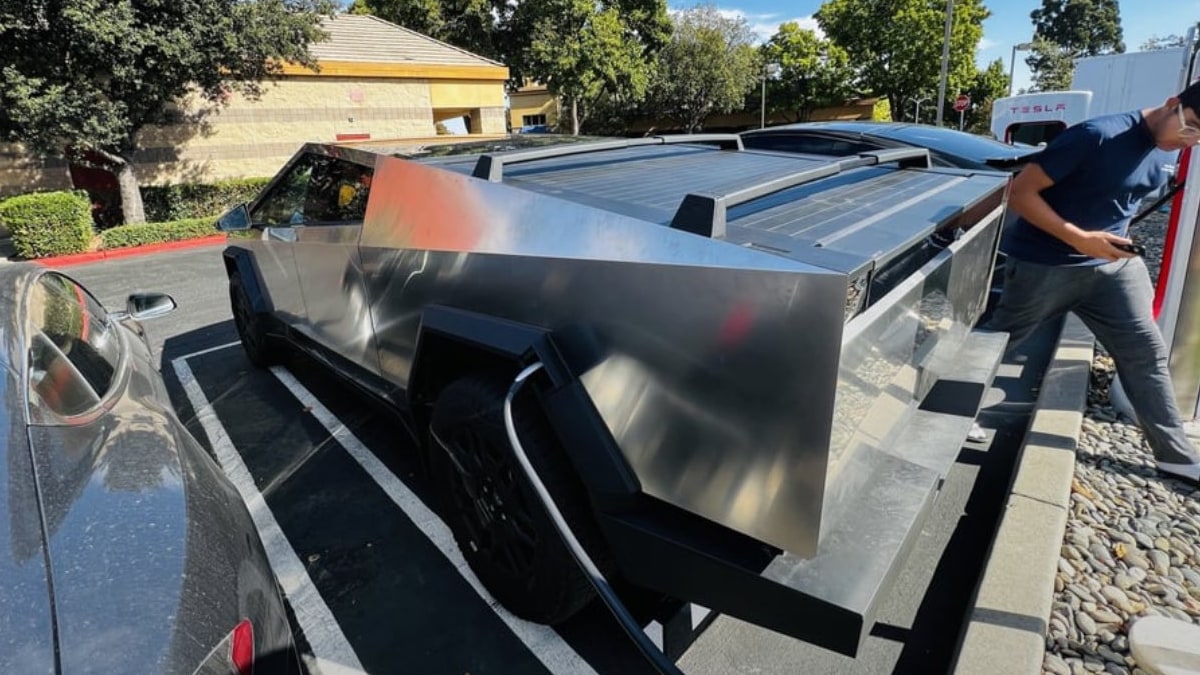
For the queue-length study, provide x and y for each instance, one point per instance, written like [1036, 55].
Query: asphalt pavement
[336, 474]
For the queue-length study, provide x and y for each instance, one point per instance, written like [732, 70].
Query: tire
[498, 522]
[259, 348]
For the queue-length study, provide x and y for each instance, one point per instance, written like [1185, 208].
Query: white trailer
[1101, 85]
[1122, 82]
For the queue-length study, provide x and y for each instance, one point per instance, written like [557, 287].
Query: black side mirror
[143, 306]
[237, 218]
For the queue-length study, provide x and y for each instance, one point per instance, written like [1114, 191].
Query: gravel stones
[1132, 544]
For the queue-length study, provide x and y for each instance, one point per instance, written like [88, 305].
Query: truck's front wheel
[250, 325]
[503, 531]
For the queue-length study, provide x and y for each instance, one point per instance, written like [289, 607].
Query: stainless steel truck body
[757, 366]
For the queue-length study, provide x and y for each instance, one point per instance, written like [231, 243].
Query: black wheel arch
[241, 261]
[455, 343]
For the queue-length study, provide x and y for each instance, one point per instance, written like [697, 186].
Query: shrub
[48, 223]
[164, 203]
[156, 233]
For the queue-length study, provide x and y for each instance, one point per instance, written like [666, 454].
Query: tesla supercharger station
[1177, 295]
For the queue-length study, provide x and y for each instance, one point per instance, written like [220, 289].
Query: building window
[532, 120]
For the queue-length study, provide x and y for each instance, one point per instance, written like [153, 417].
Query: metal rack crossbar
[705, 214]
[491, 166]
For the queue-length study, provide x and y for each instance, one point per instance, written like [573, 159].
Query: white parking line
[330, 647]
[546, 644]
[210, 350]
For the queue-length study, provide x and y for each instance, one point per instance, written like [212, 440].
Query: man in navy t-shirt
[1065, 253]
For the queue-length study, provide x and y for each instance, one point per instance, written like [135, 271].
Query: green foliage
[1156, 42]
[882, 112]
[48, 223]
[469, 24]
[1052, 66]
[813, 72]
[1081, 27]
[589, 52]
[708, 67]
[198, 200]
[156, 233]
[1065, 30]
[990, 84]
[87, 75]
[897, 44]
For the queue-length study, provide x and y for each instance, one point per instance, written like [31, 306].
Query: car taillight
[241, 648]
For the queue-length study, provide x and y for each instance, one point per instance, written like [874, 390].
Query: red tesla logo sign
[1048, 107]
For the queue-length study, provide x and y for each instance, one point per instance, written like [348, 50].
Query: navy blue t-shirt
[1101, 168]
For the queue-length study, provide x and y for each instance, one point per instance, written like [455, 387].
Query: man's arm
[1025, 197]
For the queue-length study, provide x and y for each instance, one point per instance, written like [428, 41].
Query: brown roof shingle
[369, 39]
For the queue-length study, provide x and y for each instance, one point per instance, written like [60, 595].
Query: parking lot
[375, 581]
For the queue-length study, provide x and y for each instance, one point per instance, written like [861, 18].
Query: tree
[707, 68]
[1082, 27]
[473, 25]
[83, 77]
[1156, 42]
[585, 51]
[1065, 30]
[900, 56]
[1052, 66]
[813, 72]
[990, 84]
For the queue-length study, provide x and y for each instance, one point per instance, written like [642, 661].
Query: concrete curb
[1006, 629]
[128, 252]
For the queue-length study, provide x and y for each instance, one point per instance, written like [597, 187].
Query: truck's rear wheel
[503, 531]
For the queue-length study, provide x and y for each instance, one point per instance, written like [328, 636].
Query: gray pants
[1115, 301]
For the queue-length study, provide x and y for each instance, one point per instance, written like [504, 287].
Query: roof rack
[491, 166]
[704, 214]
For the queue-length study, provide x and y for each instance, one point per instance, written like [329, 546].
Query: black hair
[1190, 97]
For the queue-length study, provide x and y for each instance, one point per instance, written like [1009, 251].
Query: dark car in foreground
[947, 147]
[123, 548]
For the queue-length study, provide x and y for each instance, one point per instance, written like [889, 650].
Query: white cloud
[986, 44]
[764, 25]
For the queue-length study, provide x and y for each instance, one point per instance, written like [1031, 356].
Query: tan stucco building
[376, 81]
[532, 104]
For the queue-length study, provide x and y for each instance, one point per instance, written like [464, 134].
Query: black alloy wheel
[500, 526]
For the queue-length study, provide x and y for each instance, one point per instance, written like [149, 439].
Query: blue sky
[1008, 25]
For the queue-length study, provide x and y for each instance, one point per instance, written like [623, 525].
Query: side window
[316, 189]
[74, 349]
[284, 204]
[338, 191]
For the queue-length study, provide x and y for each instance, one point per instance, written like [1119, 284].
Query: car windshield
[959, 144]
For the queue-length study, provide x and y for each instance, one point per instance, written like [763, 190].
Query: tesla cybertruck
[740, 376]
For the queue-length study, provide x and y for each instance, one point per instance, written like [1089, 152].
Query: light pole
[918, 101]
[769, 69]
[1012, 63]
[945, 62]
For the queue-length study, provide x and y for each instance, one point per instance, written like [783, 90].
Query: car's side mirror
[143, 306]
[236, 219]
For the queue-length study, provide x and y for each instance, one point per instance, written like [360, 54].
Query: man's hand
[1098, 244]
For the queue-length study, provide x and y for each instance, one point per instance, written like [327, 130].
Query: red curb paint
[128, 252]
